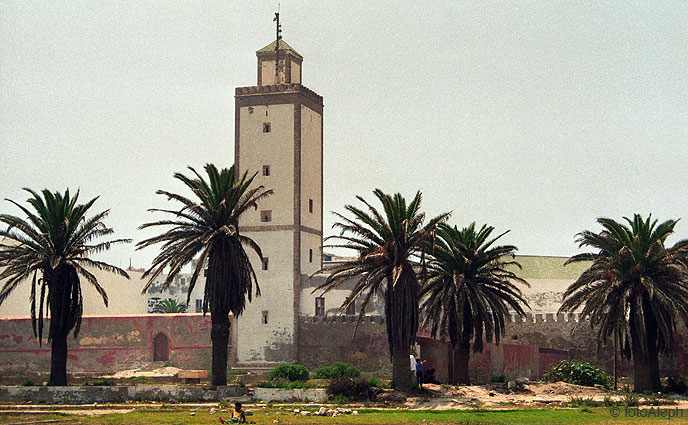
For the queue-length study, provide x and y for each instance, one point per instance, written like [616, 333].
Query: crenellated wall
[528, 348]
[325, 340]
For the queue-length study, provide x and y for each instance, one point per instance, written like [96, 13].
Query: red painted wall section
[110, 343]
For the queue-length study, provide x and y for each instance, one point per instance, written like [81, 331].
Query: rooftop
[282, 46]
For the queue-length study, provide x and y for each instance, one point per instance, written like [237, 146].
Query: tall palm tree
[52, 249]
[207, 227]
[634, 290]
[388, 246]
[470, 290]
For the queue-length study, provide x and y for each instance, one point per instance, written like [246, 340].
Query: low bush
[584, 402]
[375, 382]
[301, 385]
[337, 370]
[498, 378]
[359, 389]
[579, 373]
[102, 383]
[28, 383]
[631, 400]
[291, 372]
[676, 384]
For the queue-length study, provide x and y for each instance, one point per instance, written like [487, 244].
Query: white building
[279, 133]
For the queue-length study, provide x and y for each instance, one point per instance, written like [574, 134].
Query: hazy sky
[532, 116]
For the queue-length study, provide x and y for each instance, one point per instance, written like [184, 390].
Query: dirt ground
[496, 396]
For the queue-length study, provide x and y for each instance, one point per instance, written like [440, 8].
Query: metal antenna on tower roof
[278, 37]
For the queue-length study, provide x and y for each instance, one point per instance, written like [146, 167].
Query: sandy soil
[168, 371]
[495, 396]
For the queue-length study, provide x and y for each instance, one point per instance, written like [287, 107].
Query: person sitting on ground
[238, 417]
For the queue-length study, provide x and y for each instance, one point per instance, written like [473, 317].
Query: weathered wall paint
[110, 343]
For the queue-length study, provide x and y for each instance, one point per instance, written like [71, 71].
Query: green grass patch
[580, 416]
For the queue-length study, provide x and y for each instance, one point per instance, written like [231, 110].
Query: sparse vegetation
[631, 400]
[102, 383]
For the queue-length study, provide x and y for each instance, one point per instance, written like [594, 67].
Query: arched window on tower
[161, 348]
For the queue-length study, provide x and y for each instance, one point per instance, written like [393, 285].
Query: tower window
[351, 309]
[310, 255]
[266, 216]
[266, 127]
[310, 205]
[265, 263]
[320, 306]
[266, 170]
[264, 317]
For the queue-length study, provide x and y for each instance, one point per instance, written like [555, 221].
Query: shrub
[631, 400]
[375, 382]
[337, 370]
[579, 373]
[102, 383]
[498, 378]
[359, 389]
[286, 385]
[28, 383]
[339, 399]
[676, 384]
[292, 372]
[584, 402]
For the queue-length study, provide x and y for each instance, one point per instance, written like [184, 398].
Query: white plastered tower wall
[278, 134]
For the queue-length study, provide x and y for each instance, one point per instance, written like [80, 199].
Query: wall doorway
[161, 348]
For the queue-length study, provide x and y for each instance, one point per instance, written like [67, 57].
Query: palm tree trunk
[641, 371]
[462, 354]
[58, 359]
[219, 336]
[401, 368]
[59, 329]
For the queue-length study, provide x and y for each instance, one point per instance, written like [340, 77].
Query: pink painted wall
[110, 343]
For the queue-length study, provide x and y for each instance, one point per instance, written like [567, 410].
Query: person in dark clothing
[419, 371]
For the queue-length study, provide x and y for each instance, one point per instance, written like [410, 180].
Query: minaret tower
[279, 134]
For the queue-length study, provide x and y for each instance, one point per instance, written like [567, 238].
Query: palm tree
[169, 305]
[470, 290]
[387, 248]
[634, 290]
[207, 227]
[52, 249]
